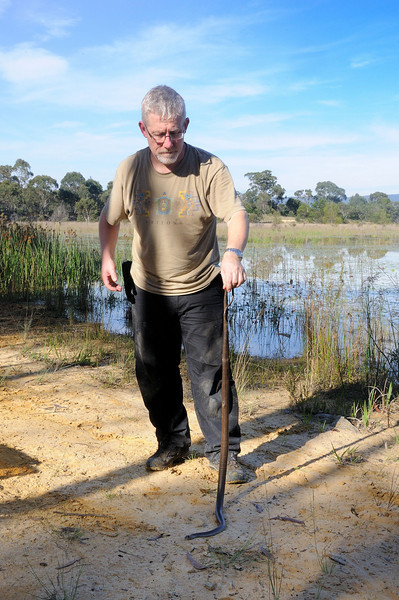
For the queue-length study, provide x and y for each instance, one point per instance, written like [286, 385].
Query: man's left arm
[232, 270]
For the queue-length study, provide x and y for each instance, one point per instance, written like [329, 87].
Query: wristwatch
[237, 252]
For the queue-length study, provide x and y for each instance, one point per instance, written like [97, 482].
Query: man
[172, 193]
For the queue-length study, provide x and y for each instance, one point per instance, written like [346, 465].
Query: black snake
[224, 443]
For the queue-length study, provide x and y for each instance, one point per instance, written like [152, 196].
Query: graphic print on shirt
[141, 203]
[191, 204]
[164, 205]
[184, 206]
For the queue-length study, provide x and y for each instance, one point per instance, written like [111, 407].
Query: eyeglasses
[160, 138]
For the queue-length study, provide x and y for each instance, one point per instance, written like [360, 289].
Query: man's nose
[167, 142]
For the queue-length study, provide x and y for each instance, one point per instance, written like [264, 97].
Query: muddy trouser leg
[157, 338]
[201, 321]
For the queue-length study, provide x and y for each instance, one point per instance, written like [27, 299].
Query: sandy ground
[77, 506]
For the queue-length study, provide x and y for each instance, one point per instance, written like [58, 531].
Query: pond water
[268, 312]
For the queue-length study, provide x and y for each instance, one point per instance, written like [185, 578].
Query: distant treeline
[24, 196]
[327, 204]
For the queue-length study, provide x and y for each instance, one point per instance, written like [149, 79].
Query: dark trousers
[161, 324]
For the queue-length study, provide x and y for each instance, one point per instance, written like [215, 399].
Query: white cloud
[164, 44]
[88, 91]
[55, 27]
[360, 63]
[210, 37]
[115, 76]
[52, 17]
[27, 64]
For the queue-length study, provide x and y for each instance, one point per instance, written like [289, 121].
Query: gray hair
[165, 102]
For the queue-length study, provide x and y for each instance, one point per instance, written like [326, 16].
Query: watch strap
[236, 251]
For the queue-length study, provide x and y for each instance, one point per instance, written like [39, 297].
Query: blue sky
[308, 89]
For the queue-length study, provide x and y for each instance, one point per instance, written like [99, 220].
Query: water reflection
[268, 312]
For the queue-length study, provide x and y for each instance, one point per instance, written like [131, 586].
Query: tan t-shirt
[173, 215]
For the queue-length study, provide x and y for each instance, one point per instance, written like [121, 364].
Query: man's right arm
[108, 237]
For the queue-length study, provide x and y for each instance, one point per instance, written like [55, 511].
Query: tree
[22, 171]
[72, 181]
[329, 191]
[74, 192]
[303, 212]
[357, 208]
[377, 214]
[60, 212]
[290, 207]
[300, 203]
[5, 173]
[10, 199]
[94, 188]
[264, 194]
[106, 193]
[94, 192]
[380, 208]
[395, 212]
[41, 197]
[86, 209]
[331, 213]
[382, 199]
[316, 210]
[67, 201]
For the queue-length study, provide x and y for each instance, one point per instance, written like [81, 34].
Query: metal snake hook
[224, 442]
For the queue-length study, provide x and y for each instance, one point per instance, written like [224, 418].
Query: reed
[35, 260]
[348, 355]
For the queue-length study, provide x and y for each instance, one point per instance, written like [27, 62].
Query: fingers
[110, 277]
[233, 273]
[112, 285]
[233, 282]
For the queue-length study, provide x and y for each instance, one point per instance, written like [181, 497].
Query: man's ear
[143, 129]
[186, 122]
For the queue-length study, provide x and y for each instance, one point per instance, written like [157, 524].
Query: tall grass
[35, 261]
[293, 233]
[348, 354]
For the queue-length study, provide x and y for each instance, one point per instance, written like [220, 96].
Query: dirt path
[77, 505]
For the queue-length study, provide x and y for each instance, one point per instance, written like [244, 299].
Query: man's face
[169, 151]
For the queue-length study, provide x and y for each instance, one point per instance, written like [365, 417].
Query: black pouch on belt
[130, 288]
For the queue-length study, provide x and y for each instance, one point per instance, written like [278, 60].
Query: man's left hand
[233, 272]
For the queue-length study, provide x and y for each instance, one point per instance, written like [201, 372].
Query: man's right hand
[109, 275]
[108, 238]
